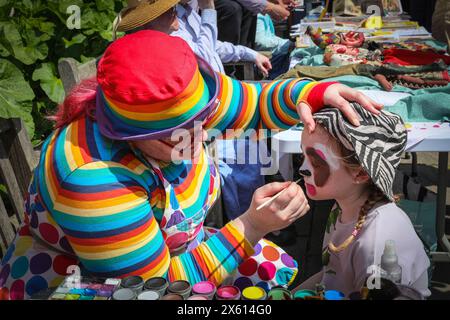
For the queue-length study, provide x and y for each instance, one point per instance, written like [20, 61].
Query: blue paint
[334, 295]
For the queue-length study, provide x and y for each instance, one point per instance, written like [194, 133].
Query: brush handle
[274, 197]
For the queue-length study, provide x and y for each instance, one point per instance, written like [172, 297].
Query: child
[356, 167]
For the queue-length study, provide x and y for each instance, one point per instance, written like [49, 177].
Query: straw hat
[140, 12]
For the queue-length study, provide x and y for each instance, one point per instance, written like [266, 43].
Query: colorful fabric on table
[360, 53]
[322, 40]
[414, 46]
[408, 57]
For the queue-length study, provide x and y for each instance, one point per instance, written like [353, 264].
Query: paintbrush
[275, 196]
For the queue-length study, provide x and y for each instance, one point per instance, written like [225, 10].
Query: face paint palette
[84, 288]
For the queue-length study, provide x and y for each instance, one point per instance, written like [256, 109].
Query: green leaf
[49, 82]
[16, 95]
[25, 54]
[79, 38]
[105, 5]
[63, 4]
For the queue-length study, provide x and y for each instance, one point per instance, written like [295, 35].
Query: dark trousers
[235, 23]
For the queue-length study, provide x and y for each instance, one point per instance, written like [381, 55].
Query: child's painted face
[323, 171]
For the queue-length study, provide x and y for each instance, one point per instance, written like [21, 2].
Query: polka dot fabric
[269, 266]
[29, 267]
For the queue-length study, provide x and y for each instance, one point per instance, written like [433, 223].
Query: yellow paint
[253, 293]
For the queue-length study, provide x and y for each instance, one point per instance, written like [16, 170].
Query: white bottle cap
[389, 260]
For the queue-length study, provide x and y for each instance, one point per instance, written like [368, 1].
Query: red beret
[146, 67]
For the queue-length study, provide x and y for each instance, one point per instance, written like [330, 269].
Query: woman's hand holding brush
[274, 207]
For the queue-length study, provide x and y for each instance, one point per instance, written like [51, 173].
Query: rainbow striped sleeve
[110, 225]
[256, 105]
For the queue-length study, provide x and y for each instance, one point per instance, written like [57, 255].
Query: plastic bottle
[390, 269]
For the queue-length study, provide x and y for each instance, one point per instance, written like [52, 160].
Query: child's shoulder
[389, 211]
[390, 220]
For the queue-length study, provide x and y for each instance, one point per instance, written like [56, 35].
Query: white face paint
[328, 156]
[319, 162]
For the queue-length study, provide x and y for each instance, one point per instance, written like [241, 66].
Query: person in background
[267, 40]
[237, 18]
[441, 22]
[200, 32]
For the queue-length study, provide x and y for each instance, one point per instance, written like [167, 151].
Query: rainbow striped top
[113, 206]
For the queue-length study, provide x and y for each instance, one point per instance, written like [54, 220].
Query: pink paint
[436, 126]
[228, 293]
[204, 287]
[310, 189]
[320, 153]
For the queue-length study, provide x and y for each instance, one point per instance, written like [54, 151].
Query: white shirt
[200, 32]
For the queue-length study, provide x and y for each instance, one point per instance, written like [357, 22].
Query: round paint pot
[279, 294]
[302, 294]
[148, 295]
[228, 293]
[124, 294]
[254, 293]
[180, 287]
[204, 288]
[198, 297]
[135, 283]
[334, 295]
[172, 296]
[158, 284]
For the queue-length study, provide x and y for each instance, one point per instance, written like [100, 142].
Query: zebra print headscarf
[378, 142]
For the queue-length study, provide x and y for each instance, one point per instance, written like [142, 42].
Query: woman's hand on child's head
[282, 211]
[339, 96]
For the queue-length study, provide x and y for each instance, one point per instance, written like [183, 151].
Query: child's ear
[360, 176]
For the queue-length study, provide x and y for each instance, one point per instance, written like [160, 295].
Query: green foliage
[34, 35]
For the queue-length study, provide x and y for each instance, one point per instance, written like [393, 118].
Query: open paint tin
[124, 294]
[158, 284]
[205, 288]
[304, 294]
[254, 293]
[148, 295]
[135, 283]
[172, 296]
[279, 294]
[228, 293]
[180, 287]
[334, 295]
[198, 297]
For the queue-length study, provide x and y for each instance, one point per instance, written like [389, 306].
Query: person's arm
[280, 104]
[268, 105]
[104, 209]
[229, 52]
[205, 44]
[255, 6]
